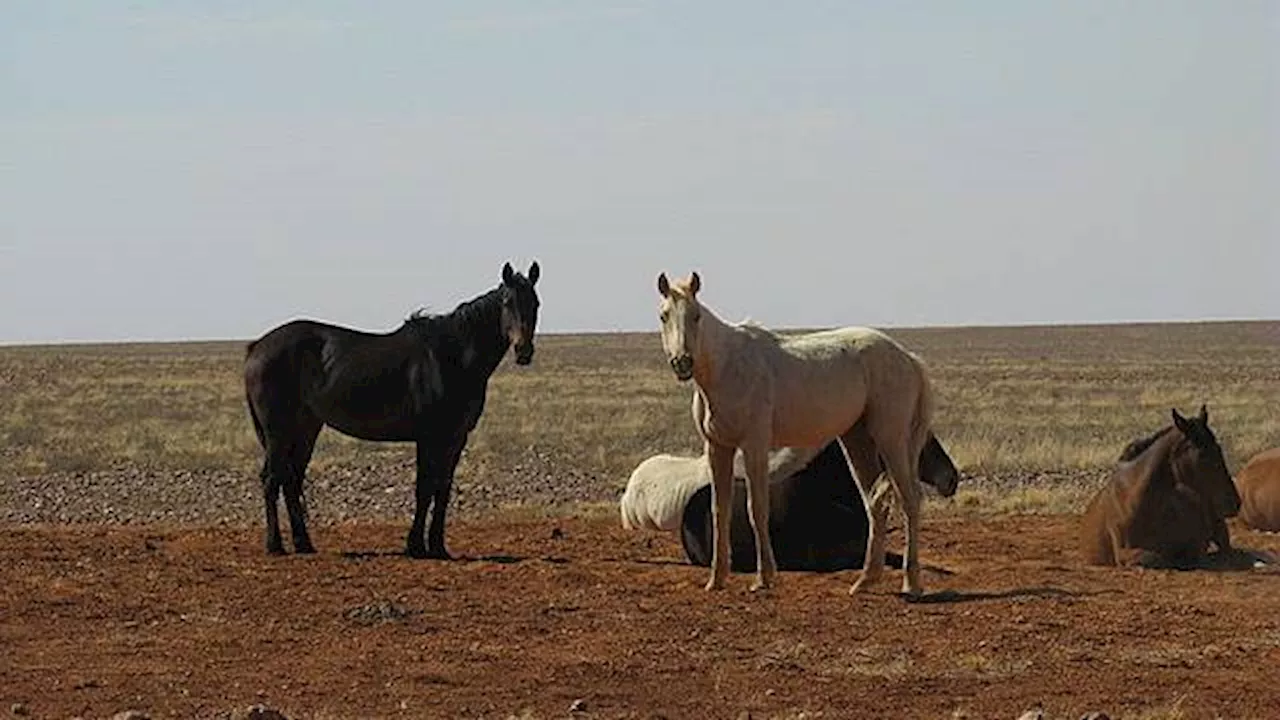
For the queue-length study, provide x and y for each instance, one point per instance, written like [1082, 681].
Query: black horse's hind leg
[271, 495]
[304, 444]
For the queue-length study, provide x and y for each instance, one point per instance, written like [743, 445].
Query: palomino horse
[816, 520]
[423, 383]
[1167, 500]
[755, 390]
[1258, 483]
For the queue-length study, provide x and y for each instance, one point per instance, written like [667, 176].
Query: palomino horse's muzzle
[683, 367]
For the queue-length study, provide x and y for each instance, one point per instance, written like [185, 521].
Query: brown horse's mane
[1139, 446]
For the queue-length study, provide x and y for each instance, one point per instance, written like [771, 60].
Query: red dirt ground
[182, 622]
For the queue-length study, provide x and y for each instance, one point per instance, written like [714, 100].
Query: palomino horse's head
[520, 310]
[937, 468]
[680, 314]
[1198, 462]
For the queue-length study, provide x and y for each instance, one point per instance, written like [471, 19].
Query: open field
[1053, 405]
[132, 574]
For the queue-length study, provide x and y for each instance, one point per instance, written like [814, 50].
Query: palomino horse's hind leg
[757, 462]
[861, 455]
[720, 458]
[904, 468]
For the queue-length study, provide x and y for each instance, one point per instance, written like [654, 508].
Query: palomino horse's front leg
[756, 459]
[720, 458]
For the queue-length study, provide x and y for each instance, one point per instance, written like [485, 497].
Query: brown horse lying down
[817, 520]
[1167, 500]
[1258, 483]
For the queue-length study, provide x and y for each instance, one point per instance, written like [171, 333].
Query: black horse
[424, 383]
[817, 520]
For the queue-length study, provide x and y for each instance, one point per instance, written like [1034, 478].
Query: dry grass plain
[131, 573]
[1053, 405]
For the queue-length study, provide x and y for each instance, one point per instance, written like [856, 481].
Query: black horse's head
[520, 310]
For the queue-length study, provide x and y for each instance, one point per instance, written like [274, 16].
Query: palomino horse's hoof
[760, 586]
[714, 584]
[861, 585]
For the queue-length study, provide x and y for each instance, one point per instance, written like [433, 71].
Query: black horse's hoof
[304, 548]
[417, 552]
[439, 554]
[275, 550]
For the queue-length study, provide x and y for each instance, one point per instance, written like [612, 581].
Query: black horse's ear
[1180, 422]
[664, 286]
[1204, 414]
[534, 272]
[507, 274]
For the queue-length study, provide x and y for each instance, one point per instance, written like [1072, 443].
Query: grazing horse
[1167, 500]
[423, 383]
[816, 520]
[755, 390]
[1258, 483]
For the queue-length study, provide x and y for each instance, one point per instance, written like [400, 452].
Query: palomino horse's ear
[1179, 421]
[534, 273]
[695, 283]
[664, 287]
[507, 274]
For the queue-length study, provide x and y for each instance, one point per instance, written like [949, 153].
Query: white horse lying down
[660, 487]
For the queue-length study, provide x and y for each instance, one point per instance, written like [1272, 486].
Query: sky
[196, 170]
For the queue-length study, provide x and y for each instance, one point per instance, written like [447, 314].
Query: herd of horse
[791, 425]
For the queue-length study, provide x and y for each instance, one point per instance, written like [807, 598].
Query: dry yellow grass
[1011, 400]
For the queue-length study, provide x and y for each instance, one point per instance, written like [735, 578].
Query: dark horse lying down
[1167, 500]
[817, 520]
[424, 383]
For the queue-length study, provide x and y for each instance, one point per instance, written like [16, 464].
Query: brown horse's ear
[507, 274]
[534, 273]
[695, 283]
[664, 287]
[1180, 422]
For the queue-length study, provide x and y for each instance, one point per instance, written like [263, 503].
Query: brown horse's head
[520, 310]
[1197, 462]
[680, 314]
[937, 469]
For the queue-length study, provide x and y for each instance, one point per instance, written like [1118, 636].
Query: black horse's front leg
[433, 483]
[440, 508]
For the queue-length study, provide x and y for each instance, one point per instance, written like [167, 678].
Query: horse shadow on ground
[1233, 560]
[500, 559]
[1042, 592]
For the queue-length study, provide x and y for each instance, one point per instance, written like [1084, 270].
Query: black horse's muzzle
[524, 354]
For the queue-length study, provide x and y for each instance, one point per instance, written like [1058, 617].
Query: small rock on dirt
[1095, 716]
[259, 712]
[1036, 714]
[19, 710]
[131, 715]
[578, 706]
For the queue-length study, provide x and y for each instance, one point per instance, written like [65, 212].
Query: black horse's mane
[462, 321]
[1139, 446]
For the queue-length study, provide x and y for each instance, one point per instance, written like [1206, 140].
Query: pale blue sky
[174, 170]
